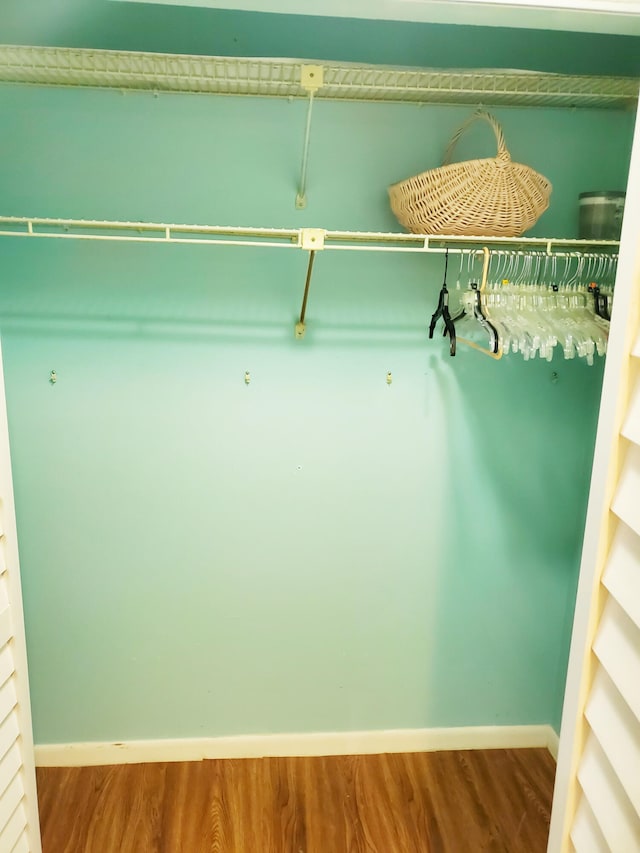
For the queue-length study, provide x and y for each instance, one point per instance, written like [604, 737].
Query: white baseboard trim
[553, 743]
[317, 743]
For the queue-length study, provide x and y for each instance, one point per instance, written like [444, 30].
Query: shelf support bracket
[313, 240]
[301, 327]
[311, 79]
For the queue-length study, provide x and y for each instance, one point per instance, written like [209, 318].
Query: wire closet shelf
[284, 78]
[530, 321]
[312, 239]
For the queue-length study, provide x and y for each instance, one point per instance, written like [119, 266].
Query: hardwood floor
[439, 802]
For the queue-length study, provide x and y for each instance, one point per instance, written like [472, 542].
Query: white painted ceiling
[620, 17]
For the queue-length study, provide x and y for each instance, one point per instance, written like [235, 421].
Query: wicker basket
[481, 198]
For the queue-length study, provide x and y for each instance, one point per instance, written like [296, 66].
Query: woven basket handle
[503, 154]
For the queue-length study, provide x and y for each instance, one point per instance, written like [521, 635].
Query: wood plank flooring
[439, 802]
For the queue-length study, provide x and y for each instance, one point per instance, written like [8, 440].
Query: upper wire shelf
[283, 78]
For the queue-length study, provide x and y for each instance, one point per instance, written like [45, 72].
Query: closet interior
[253, 497]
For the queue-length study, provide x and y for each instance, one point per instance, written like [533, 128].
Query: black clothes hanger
[479, 314]
[600, 302]
[443, 311]
[494, 350]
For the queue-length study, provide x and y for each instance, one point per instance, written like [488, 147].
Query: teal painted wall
[317, 550]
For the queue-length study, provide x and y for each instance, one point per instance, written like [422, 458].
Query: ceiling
[425, 37]
[621, 17]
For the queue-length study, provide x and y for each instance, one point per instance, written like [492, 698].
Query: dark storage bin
[601, 215]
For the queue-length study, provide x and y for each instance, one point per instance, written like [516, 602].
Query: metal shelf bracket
[312, 238]
[301, 327]
[311, 79]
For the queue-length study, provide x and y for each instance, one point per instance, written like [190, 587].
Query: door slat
[23, 844]
[631, 426]
[618, 733]
[625, 503]
[11, 832]
[622, 573]
[610, 805]
[10, 799]
[617, 646]
[8, 699]
[6, 627]
[9, 766]
[9, 731]
[586, 835]
[7, 666]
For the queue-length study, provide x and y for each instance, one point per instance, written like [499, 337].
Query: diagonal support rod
[300, 325]
[311, 79]
[301, 197]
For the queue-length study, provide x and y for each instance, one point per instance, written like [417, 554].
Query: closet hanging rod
[303, 238]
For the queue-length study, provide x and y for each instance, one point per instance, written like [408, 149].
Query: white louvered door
[596, 805]
[19, 828]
